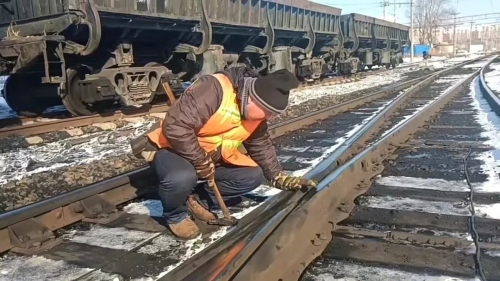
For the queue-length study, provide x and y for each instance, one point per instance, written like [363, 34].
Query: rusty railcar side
[285, 15]
[380, 27]
[95, 52]
[370, 41]
[289, 15]
[20, 10]
[30, 18]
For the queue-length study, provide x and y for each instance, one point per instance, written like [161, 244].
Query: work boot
[198, 210]
[185, 229]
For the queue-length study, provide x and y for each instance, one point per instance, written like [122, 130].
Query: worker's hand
[206, 170]
[286, 182]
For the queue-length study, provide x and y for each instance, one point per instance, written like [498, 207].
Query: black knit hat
[272, 90]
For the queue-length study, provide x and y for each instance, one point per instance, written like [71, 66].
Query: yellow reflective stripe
[231, 112]
[217, 140]
[231, 109]
[230, 144]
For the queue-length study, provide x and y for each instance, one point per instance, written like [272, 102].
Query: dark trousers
[178, 180]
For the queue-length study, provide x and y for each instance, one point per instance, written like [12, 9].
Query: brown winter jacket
[196, 105]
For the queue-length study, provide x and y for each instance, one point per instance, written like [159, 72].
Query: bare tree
[428, 15]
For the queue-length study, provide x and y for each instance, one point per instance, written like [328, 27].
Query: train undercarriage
[365, 48]
[100, 59]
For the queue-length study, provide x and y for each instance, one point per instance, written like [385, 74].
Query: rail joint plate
[96, 209]
[30, 237]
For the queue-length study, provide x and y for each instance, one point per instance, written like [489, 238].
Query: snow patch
[491, 211]
[101, 276]
[117, 238]
[459, 235]
[471, 250]
[414, 205]
[493, 77]
[302, 95]
[22, 268]
[295, 148]
[344, 271]
[495, 253]
[478, 64]
[161, 243]
[265, 190]
[340, 141]
[490, 123]
[447, 79]
[381, 228]
[21, 163]
[423, 183]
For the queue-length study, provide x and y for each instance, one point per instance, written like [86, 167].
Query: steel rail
[41, 127]
[20, 128]
[58, 211]
[47, 205]
[214, 263]
[17, 126]
[306, 232]
[488, 94]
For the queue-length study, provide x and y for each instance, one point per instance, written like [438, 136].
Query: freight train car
[369, 41]
[91, 54]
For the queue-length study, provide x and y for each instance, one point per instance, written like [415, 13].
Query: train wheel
[18, 93]
[73, 101]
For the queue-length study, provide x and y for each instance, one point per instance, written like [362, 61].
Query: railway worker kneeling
[199, 139]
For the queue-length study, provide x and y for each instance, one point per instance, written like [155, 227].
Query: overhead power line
[386, 3]
[467, 19]
[354, 4]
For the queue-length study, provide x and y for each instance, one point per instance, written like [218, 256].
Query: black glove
[286, 182]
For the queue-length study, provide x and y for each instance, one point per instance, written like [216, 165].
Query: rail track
[162, 102]
[292, 225]
[433, 211]
[59, 120]
[302, 229]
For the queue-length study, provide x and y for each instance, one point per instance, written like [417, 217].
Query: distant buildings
[488, 36]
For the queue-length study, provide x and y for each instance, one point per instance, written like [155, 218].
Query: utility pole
[454, 33]
[387, 3]
[394, 10]
[411, 31]
[487, 37]
[384, 4]
[470, 36]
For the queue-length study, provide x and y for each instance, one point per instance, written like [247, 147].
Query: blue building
[418, 50]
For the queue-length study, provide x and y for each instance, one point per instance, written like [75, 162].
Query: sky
[374, 8]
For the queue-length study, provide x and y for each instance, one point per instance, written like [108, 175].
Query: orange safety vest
[224, 128]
